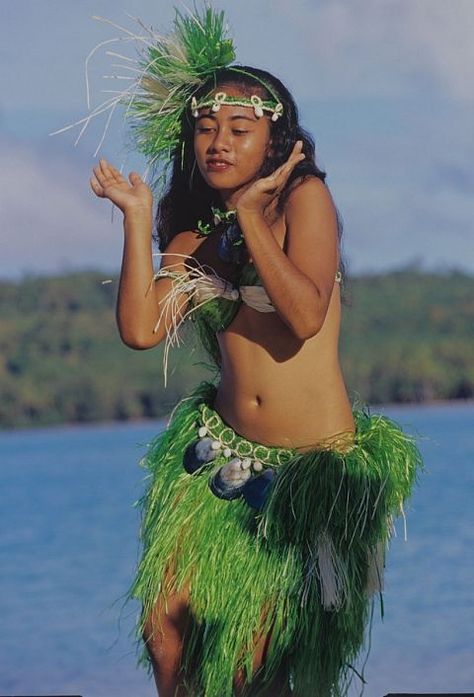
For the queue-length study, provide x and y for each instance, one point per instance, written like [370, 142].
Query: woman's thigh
[165, 633]
[279, 685]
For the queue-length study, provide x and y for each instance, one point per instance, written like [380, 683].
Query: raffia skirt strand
[306, 567]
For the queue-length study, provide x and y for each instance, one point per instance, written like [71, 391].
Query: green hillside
[406, 336]
[409, 337]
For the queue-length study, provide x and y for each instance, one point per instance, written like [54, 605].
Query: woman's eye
[239, 131]
[204, 129]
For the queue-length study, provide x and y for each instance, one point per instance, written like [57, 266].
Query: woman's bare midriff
[274, 388]
[279, 390]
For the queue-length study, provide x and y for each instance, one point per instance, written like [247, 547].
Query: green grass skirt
[308, 566]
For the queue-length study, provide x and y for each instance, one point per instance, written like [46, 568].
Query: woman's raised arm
[139, 318]
[299, 283]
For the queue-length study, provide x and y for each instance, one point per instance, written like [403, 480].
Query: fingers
[96, 187]
[279, 177]
[105, 175]
[107, 172]
[295, 157]
[134, 178]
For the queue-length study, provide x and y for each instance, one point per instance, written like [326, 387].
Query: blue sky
[386, 88]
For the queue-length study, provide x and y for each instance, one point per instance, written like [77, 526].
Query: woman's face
[230, 144]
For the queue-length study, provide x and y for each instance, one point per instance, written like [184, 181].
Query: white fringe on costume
[330, 570]
[129, 93]
[201, 284]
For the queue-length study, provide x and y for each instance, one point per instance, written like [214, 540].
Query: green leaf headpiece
[174, 67]
[163, 79]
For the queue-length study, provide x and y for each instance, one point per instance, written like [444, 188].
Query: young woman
[270, 499]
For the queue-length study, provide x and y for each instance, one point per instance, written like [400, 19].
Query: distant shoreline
[112, 275]
[407, 338]
[162, 420]
[427, 403]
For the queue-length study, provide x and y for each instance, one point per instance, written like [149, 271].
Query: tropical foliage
[406, 336]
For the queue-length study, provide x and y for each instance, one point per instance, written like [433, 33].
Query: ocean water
[69, 549]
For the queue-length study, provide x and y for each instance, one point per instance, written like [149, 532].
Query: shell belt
[230, 444]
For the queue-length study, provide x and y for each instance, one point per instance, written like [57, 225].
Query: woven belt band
[241, 447]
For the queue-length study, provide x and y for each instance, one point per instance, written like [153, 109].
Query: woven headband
[259, 105]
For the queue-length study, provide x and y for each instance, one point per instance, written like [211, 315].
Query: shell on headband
[259, 105]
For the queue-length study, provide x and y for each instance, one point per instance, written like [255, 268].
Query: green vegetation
[409, 337]
[406, 336]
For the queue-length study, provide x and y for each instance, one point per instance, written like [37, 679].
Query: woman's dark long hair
[188, 198]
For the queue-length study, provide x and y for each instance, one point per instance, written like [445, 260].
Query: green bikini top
[218, 304]
[213, 302]
[218, 310]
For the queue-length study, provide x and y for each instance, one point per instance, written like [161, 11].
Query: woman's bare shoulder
[307, 185]
[181, 246]
[311, 195]
[185, 242]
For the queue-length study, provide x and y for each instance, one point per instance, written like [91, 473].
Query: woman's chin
[225, 181]
[220, 184]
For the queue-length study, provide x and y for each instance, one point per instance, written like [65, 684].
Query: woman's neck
[230, 197]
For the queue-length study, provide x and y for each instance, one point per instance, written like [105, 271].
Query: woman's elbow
[307, 324]
[308, 329]
[139, 343]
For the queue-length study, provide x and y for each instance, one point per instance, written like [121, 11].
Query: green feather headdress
[161, 79]
[174, 68]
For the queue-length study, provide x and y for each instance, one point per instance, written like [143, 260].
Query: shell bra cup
[219, 308]
[213, 303]
[213, 308]
[249, 275]
[219, 312]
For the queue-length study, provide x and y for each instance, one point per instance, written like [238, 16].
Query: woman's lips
[218, 166]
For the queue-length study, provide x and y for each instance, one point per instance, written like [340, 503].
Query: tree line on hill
[406, 336]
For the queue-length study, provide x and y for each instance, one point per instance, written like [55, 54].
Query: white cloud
[368, 47]
[407, 194]
[325, 48]
[445, 30]
[49, 219]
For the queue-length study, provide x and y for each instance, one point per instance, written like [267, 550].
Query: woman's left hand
[262, 192]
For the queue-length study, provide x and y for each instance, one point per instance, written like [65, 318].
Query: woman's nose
[221, 141]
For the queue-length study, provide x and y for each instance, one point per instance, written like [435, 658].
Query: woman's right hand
[107, 182]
